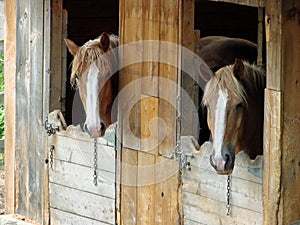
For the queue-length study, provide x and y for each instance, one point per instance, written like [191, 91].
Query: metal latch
[50, 127]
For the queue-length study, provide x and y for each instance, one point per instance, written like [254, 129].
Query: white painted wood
[62, 218]
[204, 192]
[82, 203]
[76, 147]
[74, 199]
[80, 177]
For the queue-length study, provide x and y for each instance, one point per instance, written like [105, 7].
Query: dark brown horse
[217, 52]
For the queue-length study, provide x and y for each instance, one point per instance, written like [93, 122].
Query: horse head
[91, 71]
[225, 100]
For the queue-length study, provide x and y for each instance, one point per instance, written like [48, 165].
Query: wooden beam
[58, 49]
[9, 99]
[152, 196]
[254, 3]
[282, 126]
[273, 24]
[46, 100]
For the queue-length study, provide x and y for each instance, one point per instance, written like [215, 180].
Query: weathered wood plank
[57, 49]
[217, 213]
[273, 23]
[290, 182]
[241, 200]
[10, 101]
[82, 203]
[61, 217]
[29, 109]
[254, 3]
[70, 147]
[81, 178]
[272, 153]
[157, 20]
[46, 83]
[146, 189]
[205, 191]
[129, 187]
[190, 120]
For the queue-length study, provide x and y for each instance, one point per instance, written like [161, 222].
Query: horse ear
[104, 42]
[72, 47]
[238, 69]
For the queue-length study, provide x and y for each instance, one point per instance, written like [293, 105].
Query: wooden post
[149, 181]
[282, 125]
[24, 87]
[10, 111]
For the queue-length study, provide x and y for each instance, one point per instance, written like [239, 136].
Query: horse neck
[251, 139]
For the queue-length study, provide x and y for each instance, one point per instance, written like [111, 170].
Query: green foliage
[1, 121]
[1, 71]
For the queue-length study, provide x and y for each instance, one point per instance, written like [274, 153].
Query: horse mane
[91, 52]
[253, 81]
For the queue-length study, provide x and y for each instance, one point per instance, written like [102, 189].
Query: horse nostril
[85, 128]
[103, 127]
[228, 161]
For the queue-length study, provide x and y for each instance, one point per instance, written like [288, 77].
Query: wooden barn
[143, 179]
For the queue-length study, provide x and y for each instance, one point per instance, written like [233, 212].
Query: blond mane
[89, 53]
[253, 80]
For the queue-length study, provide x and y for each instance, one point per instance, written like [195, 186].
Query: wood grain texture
[154, 200]
[46, 83]
[204, 192]
[291, 112]
[29, 149]
[10, 101]
[281, 187]
[71, 188]
[273, 23]
[272, 152]
[254, 3]
[57, 49]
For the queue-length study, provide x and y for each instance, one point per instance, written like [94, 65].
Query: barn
[143, 178]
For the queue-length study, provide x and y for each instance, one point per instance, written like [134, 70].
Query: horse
[234, 99]
[92, 68]
[217, 52]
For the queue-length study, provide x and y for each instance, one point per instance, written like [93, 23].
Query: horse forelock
[91, 52]
[253, 79]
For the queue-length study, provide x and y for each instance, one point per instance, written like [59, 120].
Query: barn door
[27, 71]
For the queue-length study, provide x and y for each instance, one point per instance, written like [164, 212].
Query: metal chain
[228, 206]
[95, 163]
[51, 156]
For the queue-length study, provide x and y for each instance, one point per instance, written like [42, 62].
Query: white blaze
[92, 107]
[220, 124]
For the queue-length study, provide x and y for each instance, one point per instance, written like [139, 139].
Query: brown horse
[217, 52]
[234, 99]
[92, 69]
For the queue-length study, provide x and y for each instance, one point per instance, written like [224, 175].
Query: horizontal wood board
[204, 192]
[74, 199]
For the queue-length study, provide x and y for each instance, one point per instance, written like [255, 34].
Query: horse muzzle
[94, 131]
[224, 162]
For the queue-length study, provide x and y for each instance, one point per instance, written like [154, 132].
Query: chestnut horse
[217, 52]
[92, 69]
[234, 99]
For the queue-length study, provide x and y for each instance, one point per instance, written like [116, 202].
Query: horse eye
[238, 106]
